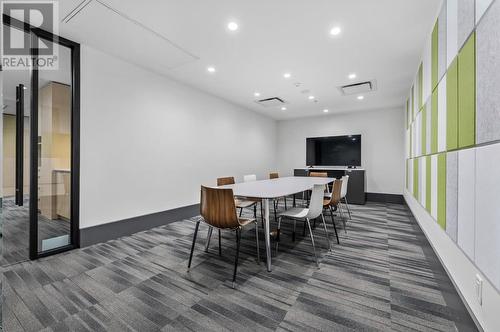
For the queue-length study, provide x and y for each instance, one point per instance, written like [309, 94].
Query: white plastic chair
[314, 210]
[249, 178]
[343, 193]
[252, 178]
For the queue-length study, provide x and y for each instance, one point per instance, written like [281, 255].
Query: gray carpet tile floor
[15, 231]
[383, 276]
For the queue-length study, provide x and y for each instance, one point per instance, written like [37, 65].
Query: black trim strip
[117, 229]
[385, 198]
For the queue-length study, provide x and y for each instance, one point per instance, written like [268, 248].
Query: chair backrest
[336, 192]
[217, 207]
[319, 174]
[225, 181]
[274, 175]
[316, 202]
[345, 180]
[250, 178]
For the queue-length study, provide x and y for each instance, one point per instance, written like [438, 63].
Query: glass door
[55, 138]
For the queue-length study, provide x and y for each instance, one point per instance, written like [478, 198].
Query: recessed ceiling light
[287, 75]
[211, 69]
[311, 97]
[325, 111]
[232, 26]
[361, 97]
[352, 76]
[335, 31]
[283, 108]
[257, 94]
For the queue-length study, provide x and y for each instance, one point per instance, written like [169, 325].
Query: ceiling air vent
[270, 102]
[357, 88]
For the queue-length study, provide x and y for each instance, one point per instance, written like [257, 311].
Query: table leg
[267, 234]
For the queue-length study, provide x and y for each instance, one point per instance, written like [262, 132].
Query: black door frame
[37, 33]
[19, 145]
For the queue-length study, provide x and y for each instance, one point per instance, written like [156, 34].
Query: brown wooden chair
[333, 202]
[218, 209]
[276, 175]
[241, 203]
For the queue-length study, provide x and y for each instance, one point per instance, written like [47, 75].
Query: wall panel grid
[453, 121]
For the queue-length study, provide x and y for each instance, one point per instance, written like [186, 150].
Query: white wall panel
[466, 200]
[422, 167]
[487, 235]
[451, 30]
[481, 6]
[434, 186]
[442, 115]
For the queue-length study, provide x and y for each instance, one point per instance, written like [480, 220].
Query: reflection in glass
[54, 153]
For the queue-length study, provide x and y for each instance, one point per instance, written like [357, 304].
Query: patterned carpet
[15, 231]
[383, 276]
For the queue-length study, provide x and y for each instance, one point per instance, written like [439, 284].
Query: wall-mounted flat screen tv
[334, 151]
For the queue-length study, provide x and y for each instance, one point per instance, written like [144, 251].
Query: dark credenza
[356, 187]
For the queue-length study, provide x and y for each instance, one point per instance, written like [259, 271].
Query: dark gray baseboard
[117, 229]
[385, 198]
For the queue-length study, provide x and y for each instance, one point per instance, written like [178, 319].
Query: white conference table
[271, 189]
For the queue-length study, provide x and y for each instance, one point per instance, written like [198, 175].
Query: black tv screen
[334, 151]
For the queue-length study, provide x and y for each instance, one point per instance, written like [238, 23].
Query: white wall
[147, 142]
[382, 147]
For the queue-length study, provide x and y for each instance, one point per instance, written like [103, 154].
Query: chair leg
[257, 240]
[326, 232]
[348, 208]
[314, 224]
[294, 227]
[275, 216]
[333, 223]
[262, 215]
[278, 234]
[209, 235]
[285, 203]
[220, 247]
[192, 246]
[341, 213]
[238, 239]
[255, 211]
[312, 241]
[241, 211]
[304, 230]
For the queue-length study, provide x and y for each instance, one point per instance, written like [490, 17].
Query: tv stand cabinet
[356, 187]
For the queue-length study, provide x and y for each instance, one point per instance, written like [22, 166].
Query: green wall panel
[434, 56]
[467, 93]
[428, 183]
[424, 130]
[434, 122]
[441, 199]
[452, 106]
[412, 103]
[408, 119]
[415, 177]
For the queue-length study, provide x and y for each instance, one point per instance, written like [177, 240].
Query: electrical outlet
[479, 289]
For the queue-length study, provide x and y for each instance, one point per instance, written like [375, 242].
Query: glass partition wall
[40, 187]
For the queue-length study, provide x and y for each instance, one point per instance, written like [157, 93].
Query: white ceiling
[380, 40]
